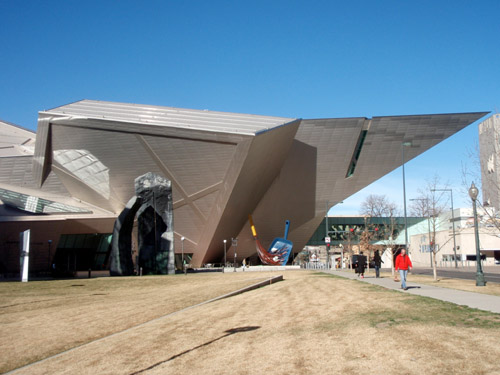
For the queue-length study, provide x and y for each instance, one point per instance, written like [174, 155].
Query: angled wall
[335, 143]
[219, 172]
[224, 166]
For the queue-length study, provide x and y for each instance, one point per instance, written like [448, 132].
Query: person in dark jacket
[377, 260]
[361, 265]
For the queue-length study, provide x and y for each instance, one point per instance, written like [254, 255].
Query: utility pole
[225, 262]
[403, 145]
[327, 242]
[234, 243]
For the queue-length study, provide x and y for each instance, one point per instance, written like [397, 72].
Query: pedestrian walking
[377, 260]
[361, 265]
[403, 265]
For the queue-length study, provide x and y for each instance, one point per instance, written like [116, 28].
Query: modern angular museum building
[68, 182]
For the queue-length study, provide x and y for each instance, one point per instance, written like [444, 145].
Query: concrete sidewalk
[475, 300]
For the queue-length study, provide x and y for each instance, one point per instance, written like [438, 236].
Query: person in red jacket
[403, 265]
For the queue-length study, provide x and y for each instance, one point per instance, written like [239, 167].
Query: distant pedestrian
[403, 265]
[377, 260]
[361, 265]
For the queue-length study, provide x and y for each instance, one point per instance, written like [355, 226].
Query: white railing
[315, 266]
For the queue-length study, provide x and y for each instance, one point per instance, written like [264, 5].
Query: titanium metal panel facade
[15, 141]
[220, 164]
[191, 119]
[224, 166]
[333, 142]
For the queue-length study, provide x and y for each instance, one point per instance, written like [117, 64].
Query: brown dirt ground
[308, 324]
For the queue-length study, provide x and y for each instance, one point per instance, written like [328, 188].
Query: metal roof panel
[223, 122]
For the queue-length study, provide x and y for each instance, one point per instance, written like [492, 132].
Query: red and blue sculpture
[278, 252]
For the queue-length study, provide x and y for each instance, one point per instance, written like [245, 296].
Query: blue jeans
[377, 271]
[403, 274]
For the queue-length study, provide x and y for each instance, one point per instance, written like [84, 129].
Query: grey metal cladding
[312, 173]
[382, 148]
[224, 166]
[252, 173]
[170, 117]
[335, 140]
[17, 172]
[198, 165]
[41, 160]
[195, 164]
[15, 140]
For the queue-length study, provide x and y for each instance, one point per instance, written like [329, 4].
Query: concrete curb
[270, 281]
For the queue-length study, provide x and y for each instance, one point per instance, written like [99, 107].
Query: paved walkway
[475, 300]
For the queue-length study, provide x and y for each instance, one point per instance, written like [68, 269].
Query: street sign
[327, 239]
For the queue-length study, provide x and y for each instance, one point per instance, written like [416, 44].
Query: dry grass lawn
[447, 282]
[310, 323]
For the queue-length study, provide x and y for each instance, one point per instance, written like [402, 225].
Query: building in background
[346, 238]
[386, 234]
[489, 239]
[72, 184]
[489, 153]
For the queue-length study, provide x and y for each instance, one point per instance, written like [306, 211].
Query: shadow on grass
[229, 332]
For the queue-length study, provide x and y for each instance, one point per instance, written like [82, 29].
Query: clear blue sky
[302, 59]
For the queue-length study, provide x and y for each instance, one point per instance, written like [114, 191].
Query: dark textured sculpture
[121, 263]
[154, 210]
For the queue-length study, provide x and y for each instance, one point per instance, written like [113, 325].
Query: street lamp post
[224, 256]
[480, 281]
[156, 234]
[182, 259]
[234, 243]
[327, 244]
[453, 224]
[50, 243]
[403, 145]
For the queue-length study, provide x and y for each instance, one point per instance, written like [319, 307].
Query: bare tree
[347, 247]
[390, 234]
[431, 204]
[380, 206]
[366, 238]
